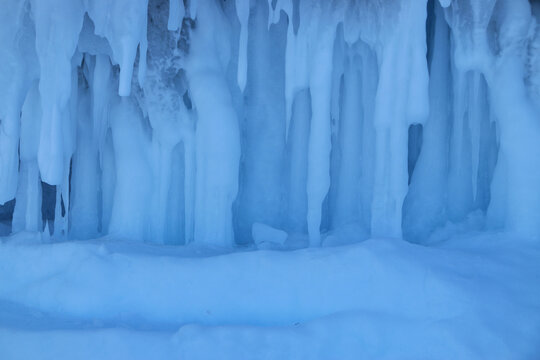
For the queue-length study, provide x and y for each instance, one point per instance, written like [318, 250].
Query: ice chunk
[265, 235]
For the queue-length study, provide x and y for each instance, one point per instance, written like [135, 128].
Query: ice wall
[317, 119]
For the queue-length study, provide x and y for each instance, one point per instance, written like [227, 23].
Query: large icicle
[27, 214]
[85, 175]
[260, 198]
[319, 145]
[502, 61]
[242, 11]
[176, 14]
[425, 205]
[58, 23]
[18, 68]
[402, 99]
[130, 214]
[217, 138]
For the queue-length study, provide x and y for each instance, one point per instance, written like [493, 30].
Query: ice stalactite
[27, 213]
[297, 172]
[176, 14]
[172, 126]
[425, 205]
[17, 72]
[124, 24]
[401, 100]
[130, 214]
[85, 175]
[502, 61]
[347, 203]
[55, 46]
[263, 137]
[319, 77]
[217, 138]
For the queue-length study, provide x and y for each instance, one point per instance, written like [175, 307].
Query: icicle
[58, 219]
[176, 14]
[242, 11]
[18, 68]
[101, 91]
[217, 139]
[130, 214]
[424, 207]
[289, 76]
[27, 214]
[55, 82]
[193, 9]
[318, 181]
[189, 187]
[350, 129]
[398, 104]
[477, 113]
[85, 176]
[123, 23]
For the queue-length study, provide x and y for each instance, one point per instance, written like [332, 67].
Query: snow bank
[473, 297]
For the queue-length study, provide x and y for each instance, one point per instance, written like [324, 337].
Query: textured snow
[473, 297]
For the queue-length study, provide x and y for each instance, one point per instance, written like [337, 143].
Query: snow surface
[469, 298]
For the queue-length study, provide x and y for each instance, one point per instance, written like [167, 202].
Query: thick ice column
[85, 176]
[297, 150]
[401, 100]
[27, 213]
[217, 138]
[516, 115]
[346, 209]
[319, 145]
[101, 93]
[9, 139]
[460, 190]
[369, 76]
[263, 145]
[108, 181]
[56, 41]
[161, 164]
[18, 68]
[189, 187]
[518, 120]
[425, 205]
[130, 214]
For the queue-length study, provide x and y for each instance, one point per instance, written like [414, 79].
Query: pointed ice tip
[241, 81]
[445, 3]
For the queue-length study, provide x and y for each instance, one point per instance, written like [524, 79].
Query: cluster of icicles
[308, 117]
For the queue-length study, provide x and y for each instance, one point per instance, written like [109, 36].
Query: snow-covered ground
[471, 297]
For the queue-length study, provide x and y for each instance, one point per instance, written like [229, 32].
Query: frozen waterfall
[210, 121]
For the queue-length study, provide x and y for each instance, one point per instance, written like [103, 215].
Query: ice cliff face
[191, 121]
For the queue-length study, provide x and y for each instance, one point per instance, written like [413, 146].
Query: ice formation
[247, 118]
